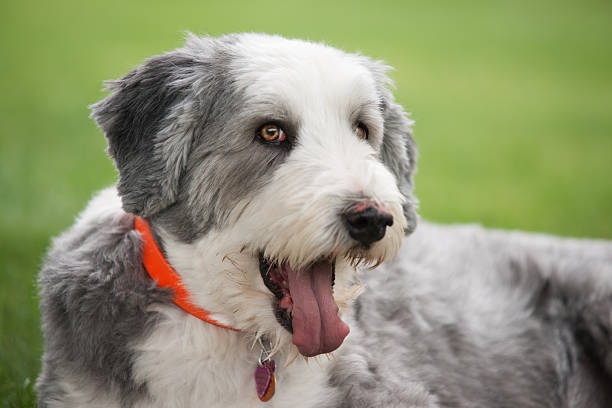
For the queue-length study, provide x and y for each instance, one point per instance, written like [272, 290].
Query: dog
[260, 181]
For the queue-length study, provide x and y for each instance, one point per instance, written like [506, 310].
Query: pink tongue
[317, 329]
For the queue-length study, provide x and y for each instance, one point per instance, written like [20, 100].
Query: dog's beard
[305, 304]
[296, 243]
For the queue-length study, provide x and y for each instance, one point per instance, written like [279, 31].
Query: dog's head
[270, 169]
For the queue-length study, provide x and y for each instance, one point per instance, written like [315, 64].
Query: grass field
[512, 102]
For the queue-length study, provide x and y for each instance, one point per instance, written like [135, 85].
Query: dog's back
[468, 317]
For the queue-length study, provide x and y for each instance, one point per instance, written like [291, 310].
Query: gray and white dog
[272, 173]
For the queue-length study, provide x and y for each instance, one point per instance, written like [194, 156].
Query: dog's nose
[367, 225]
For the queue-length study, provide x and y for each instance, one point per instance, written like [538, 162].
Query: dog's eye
[272, 133]
[362, 131]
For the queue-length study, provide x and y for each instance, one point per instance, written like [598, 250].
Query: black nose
[368, 225]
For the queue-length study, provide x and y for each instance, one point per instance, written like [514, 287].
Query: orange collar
[166, 277]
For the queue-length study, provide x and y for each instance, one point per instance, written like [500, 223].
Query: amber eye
[271, 133]
[362, 131]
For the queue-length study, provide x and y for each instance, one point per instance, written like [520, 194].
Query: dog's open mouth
[305, 304]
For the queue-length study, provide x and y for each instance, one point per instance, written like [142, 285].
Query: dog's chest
[187, 363]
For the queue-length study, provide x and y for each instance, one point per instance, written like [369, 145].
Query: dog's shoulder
[95, 298]
[101, 253]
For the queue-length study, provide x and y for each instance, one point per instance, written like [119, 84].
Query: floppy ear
[146, 120]
[399, 153]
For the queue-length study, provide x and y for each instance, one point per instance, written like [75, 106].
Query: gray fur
[132, 117]
[464, 317]
[477, 318]
[94, 303]
[398, 151]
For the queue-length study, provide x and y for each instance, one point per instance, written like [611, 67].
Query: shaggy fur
[454, 317]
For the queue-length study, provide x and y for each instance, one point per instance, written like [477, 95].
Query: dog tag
[264, 380]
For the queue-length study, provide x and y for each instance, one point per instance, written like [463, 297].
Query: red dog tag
[264, 380]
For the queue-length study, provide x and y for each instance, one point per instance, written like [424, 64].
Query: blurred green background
[512, 102]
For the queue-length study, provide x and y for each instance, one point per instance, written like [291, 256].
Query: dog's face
[270, 168]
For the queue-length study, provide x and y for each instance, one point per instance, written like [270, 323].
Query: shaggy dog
[258, 177]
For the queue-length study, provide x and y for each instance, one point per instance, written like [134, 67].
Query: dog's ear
[145, 120]
[398, 151]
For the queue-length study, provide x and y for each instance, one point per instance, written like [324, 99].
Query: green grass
[513, 103]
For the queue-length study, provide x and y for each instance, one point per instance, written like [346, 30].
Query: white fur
[188, 363]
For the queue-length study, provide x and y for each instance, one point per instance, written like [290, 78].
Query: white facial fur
[296, 215]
